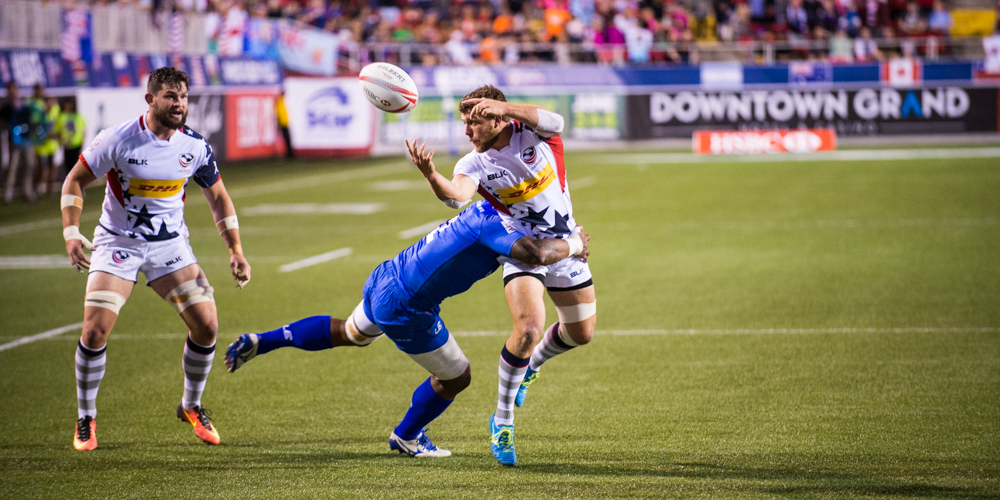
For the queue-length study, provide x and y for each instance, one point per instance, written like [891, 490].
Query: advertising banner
[252, 129]
[108, 107]
[28, 67]
[308, 51]
[329, 116]
[728, 142]
[207, 117]
[869, 111]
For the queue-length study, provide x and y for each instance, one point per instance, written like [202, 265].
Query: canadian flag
[902, 73]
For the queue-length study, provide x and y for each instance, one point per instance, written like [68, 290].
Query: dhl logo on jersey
[529, 188]
[155, 188]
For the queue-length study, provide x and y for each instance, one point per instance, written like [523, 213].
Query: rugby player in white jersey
[518, 167]
[148, 161]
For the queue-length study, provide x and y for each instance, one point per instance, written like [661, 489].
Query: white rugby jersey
[146, 178]
[525, 181]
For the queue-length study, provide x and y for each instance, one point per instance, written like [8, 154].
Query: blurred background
[277, 77]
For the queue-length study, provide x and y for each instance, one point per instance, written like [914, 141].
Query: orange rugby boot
[85, 438]
[199, 418]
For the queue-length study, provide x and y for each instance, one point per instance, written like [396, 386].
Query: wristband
[227, 223]
[453, 203]
[70, 200]
[549, 121]
[575, 245]
[236, 249]
[73, 233]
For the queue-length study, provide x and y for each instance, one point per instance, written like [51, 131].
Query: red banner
[731, 142]
[252, 131]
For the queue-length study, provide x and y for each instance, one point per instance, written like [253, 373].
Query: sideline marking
[40, 336]
[317, 259]
[34, 262]
[420, 230]
[401, 185]
[314, 208]
[843, 155]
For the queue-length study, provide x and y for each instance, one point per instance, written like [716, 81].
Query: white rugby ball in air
[388, 87]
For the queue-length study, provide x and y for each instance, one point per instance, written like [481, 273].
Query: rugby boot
[420, 446]
[522, 392]
[85, 438]
[199, 418]
[502, 443]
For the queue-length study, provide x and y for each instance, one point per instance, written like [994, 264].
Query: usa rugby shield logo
[528, 155]
[186, 160]
[119, 256]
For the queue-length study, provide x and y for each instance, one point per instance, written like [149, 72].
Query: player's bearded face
[482, 132]
[170, 106]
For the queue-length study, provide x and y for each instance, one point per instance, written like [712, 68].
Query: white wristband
[227, 223]
[453, 203]
[575, 243]
[70, 200]
[549, 121]
[73, 233]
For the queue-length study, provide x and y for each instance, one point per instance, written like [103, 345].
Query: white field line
[420, 230]
[40, 336]
[34, 262]
[845, 155]
[314, 208]
[400, 185]
[317, 259]
[582, 182]
[42, 224]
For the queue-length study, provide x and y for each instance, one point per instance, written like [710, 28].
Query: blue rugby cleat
[241, 351]
[502, 443]
[522, 392]
[419, 447]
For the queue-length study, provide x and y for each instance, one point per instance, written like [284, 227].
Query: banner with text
[329, 116]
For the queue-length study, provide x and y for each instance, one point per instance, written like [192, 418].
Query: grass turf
[887, 273]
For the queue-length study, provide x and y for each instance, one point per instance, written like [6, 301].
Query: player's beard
[488, 139]
[166, 118]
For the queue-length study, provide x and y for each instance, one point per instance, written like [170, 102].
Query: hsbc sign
[869, 111]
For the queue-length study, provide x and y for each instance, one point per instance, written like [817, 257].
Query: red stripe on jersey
[555, 142]
[84, 161]
[141, 124]
[497, 204]
[116, 187]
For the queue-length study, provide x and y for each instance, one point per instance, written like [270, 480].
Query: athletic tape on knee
[577, 313]
[446, 362]
[190, 293]
[112, 301]
[361, 330]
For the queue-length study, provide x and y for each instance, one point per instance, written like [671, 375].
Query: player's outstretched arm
[453, 192]
[224, 214]
[71, 205]
[539, 252]
[533, 116]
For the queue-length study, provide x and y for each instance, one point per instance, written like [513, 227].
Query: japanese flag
[901, 73]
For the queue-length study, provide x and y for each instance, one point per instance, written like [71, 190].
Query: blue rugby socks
[310, 334]
[425, 406]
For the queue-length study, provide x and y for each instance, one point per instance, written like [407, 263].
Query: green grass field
[792, 329]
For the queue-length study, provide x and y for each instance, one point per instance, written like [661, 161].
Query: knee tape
[361, 330]
[577, 313]
[111, 301]
[446, 362]
[189, 293]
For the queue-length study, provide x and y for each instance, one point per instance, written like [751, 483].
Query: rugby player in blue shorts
[402, 298]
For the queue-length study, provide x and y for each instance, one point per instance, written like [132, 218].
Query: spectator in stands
[22, 148]
[912, 23]
[639, 40]
[70, 127]
[7, 107]
[865, 48]
[940, 20]
[841, 50]
[47, 146]
[608, 40]
[281, 114]
[458, 51]
[797, 20]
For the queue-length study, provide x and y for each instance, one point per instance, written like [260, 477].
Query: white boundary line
[40, 336]
[420, 230]
[316, 259]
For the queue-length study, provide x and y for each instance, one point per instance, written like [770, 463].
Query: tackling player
[518, 167]
[148, 161]
[402, 298]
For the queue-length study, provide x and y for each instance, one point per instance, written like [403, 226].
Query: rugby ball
[388, 87]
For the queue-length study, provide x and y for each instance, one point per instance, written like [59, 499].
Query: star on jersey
[142, 218]
[560, 226]
[535, 219]
[127, 196]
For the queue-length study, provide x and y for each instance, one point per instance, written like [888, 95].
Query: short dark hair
[167, 76]
[485, 92]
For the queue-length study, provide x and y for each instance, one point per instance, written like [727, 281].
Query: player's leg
[189, 292]
[105, 296]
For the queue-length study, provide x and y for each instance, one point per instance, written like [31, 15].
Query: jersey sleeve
[208, 173]
[497, 235]
[100, 156]
[468, 167]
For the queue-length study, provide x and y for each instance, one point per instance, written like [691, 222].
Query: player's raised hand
[240, 268]
[423, 162]
[487, 108]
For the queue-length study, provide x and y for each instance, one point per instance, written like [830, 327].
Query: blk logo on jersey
[498, 175]
[137, 161]
[528, 155]
[186, 160]
[119, 256]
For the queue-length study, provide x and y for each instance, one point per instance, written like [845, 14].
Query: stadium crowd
[640, 31]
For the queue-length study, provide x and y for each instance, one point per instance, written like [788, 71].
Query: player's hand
[585, 254]
[487, 108]
[240, 269]
[77, 258]
[422, 161]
